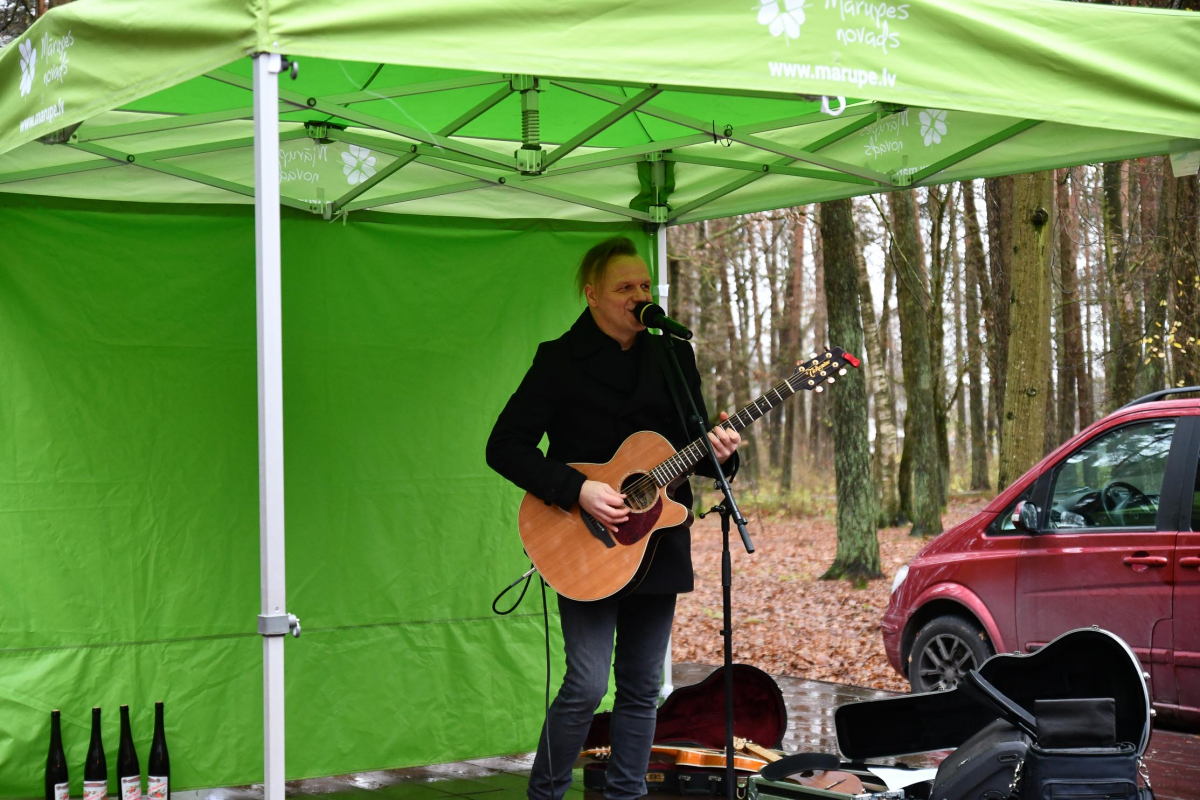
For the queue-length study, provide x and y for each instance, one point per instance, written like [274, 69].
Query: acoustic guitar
[580, 558]
[752, 759]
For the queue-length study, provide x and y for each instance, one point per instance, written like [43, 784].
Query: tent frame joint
[318, 130]
[279, 624]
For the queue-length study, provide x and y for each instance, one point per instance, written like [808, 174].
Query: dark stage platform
[1173, 757]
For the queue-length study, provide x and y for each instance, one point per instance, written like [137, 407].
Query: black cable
[546, 724]
[528, 576]
[546, 629]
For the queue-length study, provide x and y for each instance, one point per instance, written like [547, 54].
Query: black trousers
[642, 624]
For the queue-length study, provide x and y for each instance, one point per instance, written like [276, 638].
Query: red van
[1104, 531]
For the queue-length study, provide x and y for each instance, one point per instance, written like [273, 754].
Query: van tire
[945, 649]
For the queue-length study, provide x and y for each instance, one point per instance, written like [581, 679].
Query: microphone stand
[728, 510]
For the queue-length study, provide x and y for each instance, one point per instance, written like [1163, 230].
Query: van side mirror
[1025, 517]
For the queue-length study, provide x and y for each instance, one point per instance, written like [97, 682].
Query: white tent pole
[664, 293]
[273, 622]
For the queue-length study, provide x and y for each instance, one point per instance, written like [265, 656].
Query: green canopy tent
[429, 156]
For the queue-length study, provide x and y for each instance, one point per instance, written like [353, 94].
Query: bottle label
[62, 791]
[131, 787]
[95, 790]
[156, 787]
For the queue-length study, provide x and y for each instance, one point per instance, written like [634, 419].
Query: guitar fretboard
[813, 374]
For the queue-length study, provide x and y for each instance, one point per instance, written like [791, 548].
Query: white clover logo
[787, 21]
[933, 125]
[28, 63]
[358, 165]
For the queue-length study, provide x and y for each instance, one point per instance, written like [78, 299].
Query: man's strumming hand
[604, 503]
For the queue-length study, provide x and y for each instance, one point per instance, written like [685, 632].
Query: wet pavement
[1173, 757]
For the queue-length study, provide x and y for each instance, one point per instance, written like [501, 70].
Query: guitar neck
[685, 460]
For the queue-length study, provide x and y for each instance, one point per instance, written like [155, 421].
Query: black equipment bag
[983, 767]
[1080, 773]
[1074, 755]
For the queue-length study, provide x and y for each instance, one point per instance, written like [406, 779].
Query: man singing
[589, 390]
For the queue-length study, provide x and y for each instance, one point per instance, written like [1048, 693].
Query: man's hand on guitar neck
[724, 440]
[604, 503]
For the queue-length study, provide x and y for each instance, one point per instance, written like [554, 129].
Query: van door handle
[1190, 561]
[1145, 561]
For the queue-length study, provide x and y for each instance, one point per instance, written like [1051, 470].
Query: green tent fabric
[129, 484]
[730, 90]
[433, 155]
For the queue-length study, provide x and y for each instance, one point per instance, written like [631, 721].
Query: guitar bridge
[597, 529]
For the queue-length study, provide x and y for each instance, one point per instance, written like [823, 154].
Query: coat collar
[587, 340]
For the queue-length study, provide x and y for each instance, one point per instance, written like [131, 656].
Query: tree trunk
[707, 358]
[920, 432]
[821, 423]
[1185, 274]
[857, 547]
[1079, 395]
[773, 362]
[1022, 435]
[885, 409]
[975, 277]
[937, 203]
[1126, 334]
[737, 371]
[904, 480]
[998, 193]
[962, 432]
[1150, 177]
[789, 343]
[1087, 405]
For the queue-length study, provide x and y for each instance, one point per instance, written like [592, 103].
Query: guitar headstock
[822, 368]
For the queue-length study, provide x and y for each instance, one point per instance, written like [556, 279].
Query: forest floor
[786, 620]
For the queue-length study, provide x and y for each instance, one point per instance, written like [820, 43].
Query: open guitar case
[1079, 704]
[694, 716]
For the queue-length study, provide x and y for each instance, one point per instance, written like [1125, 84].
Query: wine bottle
[57, 786]
[158, 767]
[129, 772]
[95, 769]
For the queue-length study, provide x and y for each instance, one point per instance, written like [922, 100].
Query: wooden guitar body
[584, 562]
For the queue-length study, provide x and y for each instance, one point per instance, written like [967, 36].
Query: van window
[1115, 480]
[1196, 502]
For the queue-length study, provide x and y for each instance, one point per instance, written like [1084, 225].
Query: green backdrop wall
[129, 483]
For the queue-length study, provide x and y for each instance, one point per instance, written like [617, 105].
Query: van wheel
[945, 650]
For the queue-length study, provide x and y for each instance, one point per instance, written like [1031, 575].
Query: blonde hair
[595, 261]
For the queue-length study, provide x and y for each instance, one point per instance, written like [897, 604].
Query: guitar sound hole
[640, 491]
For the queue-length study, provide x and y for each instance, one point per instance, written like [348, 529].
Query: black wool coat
[574, 394]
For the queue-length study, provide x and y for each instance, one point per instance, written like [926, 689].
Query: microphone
[652, 316]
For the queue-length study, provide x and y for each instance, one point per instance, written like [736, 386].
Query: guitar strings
[646, 481]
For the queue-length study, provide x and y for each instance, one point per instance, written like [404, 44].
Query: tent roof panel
[956, 90]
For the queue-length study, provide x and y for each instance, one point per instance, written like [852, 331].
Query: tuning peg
[813, 357]
[810, 383]
[819, 389]
[835, 364]
[831, 379]
[842, 371]
[823, 373]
